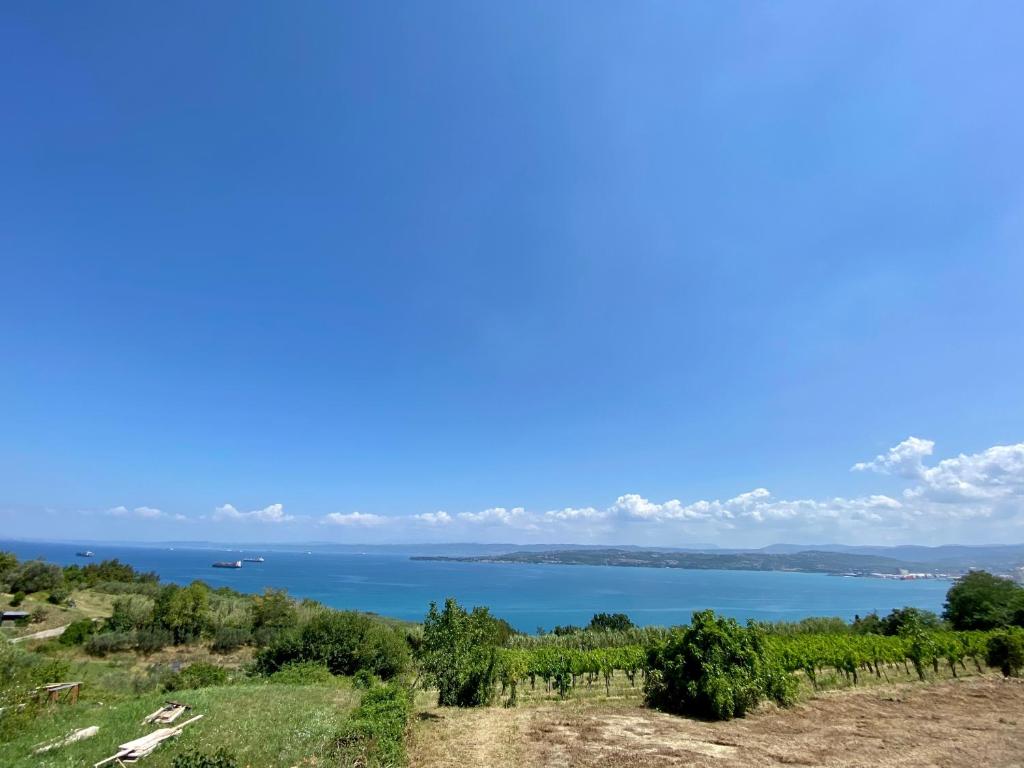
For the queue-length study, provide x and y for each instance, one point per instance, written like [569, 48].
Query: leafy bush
[980, 600]
[458, 654]
[36, 576]
[107, 571]
[715, 669]
[196, 759]
[227, 639]
[147, 588]
[610, 622]
[184, 611]
[374, 734]
[20, 672]
[1006, 651]
[364, 680]
[273, 610]
[303, 673]
[8, 565]
[201, 674]
[109, 642]
[78, 632]
[130, 612]
[58, 595]
[901, 618]
[152, 640]
[17, 599]
[344, 641]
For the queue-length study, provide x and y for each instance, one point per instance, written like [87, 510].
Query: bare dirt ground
[976, 722]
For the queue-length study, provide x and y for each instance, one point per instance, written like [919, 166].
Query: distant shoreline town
[845, 564]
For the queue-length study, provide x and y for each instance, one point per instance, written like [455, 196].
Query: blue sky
[465, 271]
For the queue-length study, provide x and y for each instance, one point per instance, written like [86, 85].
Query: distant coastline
[813, 561]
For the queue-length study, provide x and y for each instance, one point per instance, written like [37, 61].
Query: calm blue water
[528, 596]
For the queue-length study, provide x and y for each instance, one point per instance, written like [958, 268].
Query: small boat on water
[85, 553]
[228, 564]
[257, 559]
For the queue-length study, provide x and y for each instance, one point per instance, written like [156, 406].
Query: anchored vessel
[85, 553]
[257, 559]
[228, 564]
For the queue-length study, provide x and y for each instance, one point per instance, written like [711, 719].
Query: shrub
[201, 674]
[78, 632]
[147, 588]
[900, 618]
[185, 611]
[130, 612]
[17, 599]
[715, 669]
[20, 672]
[109, 642]
[364, 679]
[58, 595]
[1006, 651]
[227, 639]
[152, 640]
[273, 610]
[980, 600]
[610, 622]
[196, 759]
[458, 654]
[36, 576]
[374, 734]
[344, 641]
[303, 673]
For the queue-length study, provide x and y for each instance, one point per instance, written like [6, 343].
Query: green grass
[263, 724]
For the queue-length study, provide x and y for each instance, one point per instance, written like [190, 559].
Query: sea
[530, 597]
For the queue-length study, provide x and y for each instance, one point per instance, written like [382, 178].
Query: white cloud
[576, 513]
[951, 497]
[273, 513]
[142, 513]
[996, 474]
[905, 459]
[434, 518]
[989, 484]
[354, 519]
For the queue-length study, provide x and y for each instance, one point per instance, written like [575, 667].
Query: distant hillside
[807, 562]
[950, 556]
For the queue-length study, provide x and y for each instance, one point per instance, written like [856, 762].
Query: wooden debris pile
[131, 751]
[71, 738]
[168, 713]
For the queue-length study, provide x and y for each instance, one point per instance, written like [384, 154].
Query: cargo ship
[257, 559]
[228, 564]
[85, 553]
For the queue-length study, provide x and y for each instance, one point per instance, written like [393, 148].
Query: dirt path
[42, 634]
[975, 722]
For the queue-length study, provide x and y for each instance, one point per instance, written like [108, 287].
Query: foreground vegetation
[281, 681]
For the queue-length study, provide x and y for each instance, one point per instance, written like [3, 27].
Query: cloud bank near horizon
[976, 496]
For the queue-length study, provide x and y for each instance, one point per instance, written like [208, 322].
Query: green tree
[980, 600]
[1006, 650]
[185, 612]
[36, 576]
[273, 610]
[458, 654]
[899, 618]
[610, 622]
[716, 669]
[8, 565]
